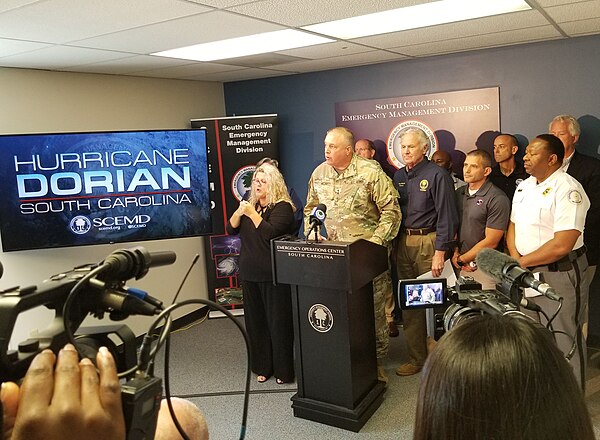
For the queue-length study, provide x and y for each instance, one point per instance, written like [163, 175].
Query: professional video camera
[467, 299]
[92, 289]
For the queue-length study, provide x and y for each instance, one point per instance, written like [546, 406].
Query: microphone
[135, 262]
[317, 216]
[503, 267]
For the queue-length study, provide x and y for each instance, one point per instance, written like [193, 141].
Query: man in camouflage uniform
[361, 203]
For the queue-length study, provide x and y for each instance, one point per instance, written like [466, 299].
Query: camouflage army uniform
[361, 203]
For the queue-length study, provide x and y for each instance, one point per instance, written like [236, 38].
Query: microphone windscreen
[322, 207]
[493, 262]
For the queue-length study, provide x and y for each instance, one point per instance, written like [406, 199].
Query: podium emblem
[320, 318]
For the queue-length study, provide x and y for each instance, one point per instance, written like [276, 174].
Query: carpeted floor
[208, 364]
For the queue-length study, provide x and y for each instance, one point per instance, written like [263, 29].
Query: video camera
[467, 299]
[459, 303]
[92, 289]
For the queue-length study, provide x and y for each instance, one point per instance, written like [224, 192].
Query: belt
[418, 231]
[564, 264]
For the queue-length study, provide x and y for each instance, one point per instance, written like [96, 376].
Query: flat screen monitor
[72, 189]
[422, 293]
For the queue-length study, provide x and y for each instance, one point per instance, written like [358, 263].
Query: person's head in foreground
[189, 416]
[499, 378]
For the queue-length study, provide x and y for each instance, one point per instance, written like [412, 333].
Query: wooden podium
[334, 330]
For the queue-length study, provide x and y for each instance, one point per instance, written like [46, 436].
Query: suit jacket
[586, 169]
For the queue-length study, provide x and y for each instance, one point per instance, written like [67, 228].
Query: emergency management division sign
[456, 122]
[234, 145]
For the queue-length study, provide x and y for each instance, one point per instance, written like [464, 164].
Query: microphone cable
[167, 342]
[229, 315]
[66, 311]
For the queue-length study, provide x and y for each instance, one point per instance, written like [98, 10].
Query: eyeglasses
[261, 181]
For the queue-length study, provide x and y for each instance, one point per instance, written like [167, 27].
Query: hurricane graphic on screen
[70, 189]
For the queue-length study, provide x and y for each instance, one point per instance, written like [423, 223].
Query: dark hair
[553, 145]
[500, 377]
[486, 159]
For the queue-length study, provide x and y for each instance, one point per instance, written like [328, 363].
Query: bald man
[189, 417]
[508, 173]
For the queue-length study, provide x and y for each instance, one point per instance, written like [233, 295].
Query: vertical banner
[456, 122]
[234, 145]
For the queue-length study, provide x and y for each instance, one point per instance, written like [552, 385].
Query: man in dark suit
[586, 170]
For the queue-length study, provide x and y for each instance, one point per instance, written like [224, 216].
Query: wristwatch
[459, 262]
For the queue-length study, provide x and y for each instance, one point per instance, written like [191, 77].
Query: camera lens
[456, 313]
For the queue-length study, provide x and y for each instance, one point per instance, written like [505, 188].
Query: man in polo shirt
[484, 211]
[545, 235]
[508, 173]
[429, 224]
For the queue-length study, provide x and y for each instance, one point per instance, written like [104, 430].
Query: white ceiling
[117, 36]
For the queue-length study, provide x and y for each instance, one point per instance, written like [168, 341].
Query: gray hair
[573, 125]
[423, 139]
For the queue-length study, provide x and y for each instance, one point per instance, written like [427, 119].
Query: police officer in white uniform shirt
[545, 235]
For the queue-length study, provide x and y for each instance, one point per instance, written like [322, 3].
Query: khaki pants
[413, 258]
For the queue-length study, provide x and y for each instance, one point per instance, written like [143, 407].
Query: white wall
[40, 101]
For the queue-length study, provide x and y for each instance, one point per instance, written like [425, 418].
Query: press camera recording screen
[422, 293]
[71, 189]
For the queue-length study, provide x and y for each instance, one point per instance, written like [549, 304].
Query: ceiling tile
[57, 57]
[7, 5]
[187, 70]
[181, 32]
[581, 27]
[575, 12]
[12, 47]
[480, 41]
[131, 64]
[337, 48]
[373, 57]
[548, 3]
[239, 75]
[261, 60]
[116, 36]
[62, 21]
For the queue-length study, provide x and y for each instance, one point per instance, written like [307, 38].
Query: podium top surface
[328, 264]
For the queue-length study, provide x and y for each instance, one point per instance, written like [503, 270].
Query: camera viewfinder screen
[422, 293]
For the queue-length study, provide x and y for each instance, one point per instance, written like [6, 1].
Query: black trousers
[268, 316]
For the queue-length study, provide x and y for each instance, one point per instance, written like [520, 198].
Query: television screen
[70, 189]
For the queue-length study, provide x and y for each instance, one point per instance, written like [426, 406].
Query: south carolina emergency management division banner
[456, 122]
[234, 145]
